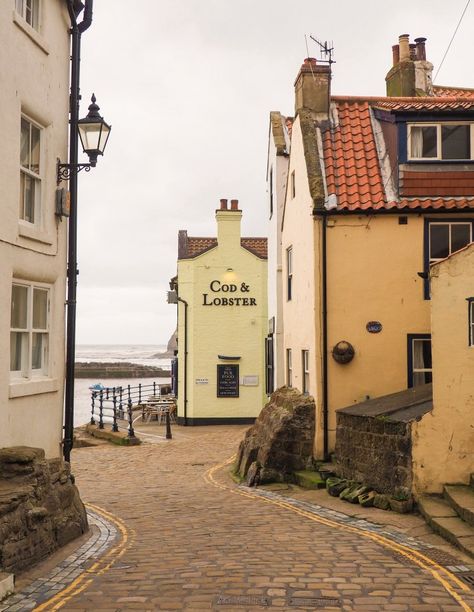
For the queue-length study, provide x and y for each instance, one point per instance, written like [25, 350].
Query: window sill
[27, 230]
[32, 386]
[30, 32]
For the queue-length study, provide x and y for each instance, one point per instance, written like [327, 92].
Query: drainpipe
[72, 271]
[185, 394]
[324, 299]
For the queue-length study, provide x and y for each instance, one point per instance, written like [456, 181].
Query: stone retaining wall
[375, 451]
[40, 507]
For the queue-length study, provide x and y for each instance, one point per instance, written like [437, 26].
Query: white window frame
[27, 371]
[35, 176]
[305, 370]
[289, 368]
[450, 224]
[438, 140]
[29, 11]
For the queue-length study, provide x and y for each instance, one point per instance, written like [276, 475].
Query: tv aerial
[326, 50]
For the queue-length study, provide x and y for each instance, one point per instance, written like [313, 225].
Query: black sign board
[227, 380]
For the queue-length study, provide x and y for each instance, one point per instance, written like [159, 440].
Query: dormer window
[440, 141]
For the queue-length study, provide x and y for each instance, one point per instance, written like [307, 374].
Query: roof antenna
[327, 49]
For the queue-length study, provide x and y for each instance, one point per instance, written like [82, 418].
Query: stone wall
[281, 440]
[375, 451]
[40, 507]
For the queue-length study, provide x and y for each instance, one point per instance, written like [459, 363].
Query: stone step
[471, 481]
[7, 585]
[456, 531]
[432, 506]
[461, 498]
[309, 480]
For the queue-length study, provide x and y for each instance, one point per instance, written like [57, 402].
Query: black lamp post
[94, 133]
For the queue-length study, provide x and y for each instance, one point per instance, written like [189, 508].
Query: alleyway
[187, 538]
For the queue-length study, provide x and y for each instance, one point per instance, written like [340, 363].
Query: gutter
[185, 394]
[324, 313]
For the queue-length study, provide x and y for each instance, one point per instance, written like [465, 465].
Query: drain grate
[467, 577]
[314, 602]
[244, 600]
[440, 556]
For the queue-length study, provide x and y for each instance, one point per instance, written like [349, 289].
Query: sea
[144, 354]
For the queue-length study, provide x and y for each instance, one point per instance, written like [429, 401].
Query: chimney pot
[396, 54]
[223, 204]
[404, 44]
[412, 51]
[420, 48]
[234, 204]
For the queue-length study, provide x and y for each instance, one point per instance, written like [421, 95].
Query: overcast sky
[188, 86]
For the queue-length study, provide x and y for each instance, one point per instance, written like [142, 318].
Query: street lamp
[94, 133]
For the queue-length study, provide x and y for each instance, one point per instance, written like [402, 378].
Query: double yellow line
[96, 569]
[447, 579]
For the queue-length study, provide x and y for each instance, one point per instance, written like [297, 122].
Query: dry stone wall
[40, 507]
[375, 451]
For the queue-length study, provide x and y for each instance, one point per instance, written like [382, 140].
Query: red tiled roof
[197, 246]
[459, 92]
[352, 164]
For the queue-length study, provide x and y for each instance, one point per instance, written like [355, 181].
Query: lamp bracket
[65, 171]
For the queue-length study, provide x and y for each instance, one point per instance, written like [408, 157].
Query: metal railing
[112, 404]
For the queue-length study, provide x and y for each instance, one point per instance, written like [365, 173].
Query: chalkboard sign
[227, 380]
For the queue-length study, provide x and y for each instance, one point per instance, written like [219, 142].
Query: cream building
[34, 73]
[222, 324]
[443, 441]
[378, 189]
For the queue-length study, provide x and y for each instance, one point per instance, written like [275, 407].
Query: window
[30, 180]
[470, 302]
[269, 361]
[440, 141]
[289, 372]
[293, 184]
[419, 359]
[305, 370]
[29, 330]
[442, 238]
[29, 10]
[289, 272]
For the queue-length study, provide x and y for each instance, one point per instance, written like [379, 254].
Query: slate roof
[351, 155]
[190, 246]
[404, 406]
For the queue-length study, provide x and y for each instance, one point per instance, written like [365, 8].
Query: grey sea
[146, 354]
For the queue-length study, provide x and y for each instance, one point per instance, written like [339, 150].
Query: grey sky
[188, 86]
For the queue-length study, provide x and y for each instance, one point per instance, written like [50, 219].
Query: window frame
[21, 8]
[36, 177]
[27, 371]
[293, 184]
[270, 183]
[438, 125]
[470, 318]
[305, 371]
[269, 364]
[426, 244]
[289, 369]
[289, 273]
[410, 369]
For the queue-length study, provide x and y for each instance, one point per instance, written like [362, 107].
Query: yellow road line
[98, 568]
[415, 556]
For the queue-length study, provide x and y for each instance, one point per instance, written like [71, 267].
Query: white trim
[33, 35]
[438, 126]
[32, 387]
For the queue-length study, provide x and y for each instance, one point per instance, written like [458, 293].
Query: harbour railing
[111, 404]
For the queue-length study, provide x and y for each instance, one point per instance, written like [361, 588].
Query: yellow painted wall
[443, 441]
[236, 330]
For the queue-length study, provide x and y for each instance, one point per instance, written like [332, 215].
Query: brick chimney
[410, 74]
[228, 225]
[312, 87]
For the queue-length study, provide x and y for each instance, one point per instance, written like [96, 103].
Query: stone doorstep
[456, 531]
[432, 507]
[7, 585]
[461, 498]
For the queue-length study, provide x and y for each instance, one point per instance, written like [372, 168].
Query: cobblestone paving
[203, 543]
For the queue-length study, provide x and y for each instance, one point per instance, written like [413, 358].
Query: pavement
[171, 530]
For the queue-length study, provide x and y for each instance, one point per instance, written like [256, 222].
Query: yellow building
[443, 441]
[222, 324]
[378, 189]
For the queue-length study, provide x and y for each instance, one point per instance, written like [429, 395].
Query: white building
[34, 73]
[277, 176]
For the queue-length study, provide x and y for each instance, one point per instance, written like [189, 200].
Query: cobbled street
[182, 535]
